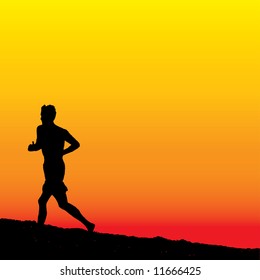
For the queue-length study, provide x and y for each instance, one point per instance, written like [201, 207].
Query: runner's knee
[63, 204]
[42, 201]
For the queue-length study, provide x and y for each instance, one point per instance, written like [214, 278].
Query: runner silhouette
[51, 140]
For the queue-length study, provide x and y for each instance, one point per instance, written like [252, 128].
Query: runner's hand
[31, 147]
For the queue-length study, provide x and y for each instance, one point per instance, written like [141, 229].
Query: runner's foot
[90, 227]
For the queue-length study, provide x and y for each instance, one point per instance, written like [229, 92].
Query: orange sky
[164, 99]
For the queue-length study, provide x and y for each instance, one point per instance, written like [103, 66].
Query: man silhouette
[51, 140]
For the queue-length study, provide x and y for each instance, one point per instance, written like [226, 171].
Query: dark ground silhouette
[24, 240]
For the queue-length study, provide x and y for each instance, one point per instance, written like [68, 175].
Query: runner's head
[48, 113]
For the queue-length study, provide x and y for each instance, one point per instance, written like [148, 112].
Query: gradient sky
[163, 97]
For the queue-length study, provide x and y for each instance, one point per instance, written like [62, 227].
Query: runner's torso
[52, 141]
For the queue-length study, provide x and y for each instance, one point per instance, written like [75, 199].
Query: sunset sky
[163, 97]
